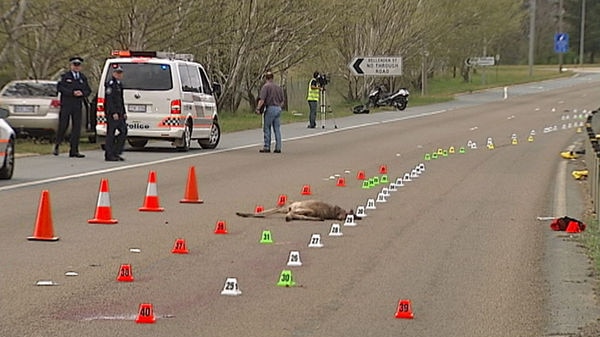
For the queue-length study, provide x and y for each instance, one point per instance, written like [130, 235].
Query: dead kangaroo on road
[314, 210]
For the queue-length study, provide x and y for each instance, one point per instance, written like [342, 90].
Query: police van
[167, 96]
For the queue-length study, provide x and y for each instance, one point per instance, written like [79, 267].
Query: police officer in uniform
[115, 116]
[73, 88]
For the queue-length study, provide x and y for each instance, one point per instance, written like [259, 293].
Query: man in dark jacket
[115, 116]
[73, 88]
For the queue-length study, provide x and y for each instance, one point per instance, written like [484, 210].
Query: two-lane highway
[461, 241]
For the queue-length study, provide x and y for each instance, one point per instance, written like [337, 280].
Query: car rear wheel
[213, 138]
[8, 166]
[137, 143]
[186, 138]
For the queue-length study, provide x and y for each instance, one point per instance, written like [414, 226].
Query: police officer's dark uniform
[73, 88]
[115, 118]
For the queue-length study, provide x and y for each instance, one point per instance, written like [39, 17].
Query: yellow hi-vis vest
[313, 94]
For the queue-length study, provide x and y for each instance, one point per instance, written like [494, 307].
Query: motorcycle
[378, 97]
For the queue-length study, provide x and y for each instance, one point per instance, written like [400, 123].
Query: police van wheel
[186, 138]
[213, 140]
[137, 143]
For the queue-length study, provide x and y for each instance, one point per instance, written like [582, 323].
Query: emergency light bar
[160, 54]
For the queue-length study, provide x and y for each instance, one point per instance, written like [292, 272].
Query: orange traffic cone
[151, 202]
[125, 273]
[282, 200]
[191, 189]
[221, 227]
[361, 175]
[404, 310]
[341, 182]
[146, 314]
[258, 209]
[179, 247]
[573, 227]
[306, 190]
[103, 210]
[43, 230]
[383, 169]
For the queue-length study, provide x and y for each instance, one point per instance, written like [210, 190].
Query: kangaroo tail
[249, 215]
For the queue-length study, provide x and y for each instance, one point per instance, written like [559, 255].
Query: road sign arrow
[376, 66]
[356, 66]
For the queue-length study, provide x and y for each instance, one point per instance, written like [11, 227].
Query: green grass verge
[590, 238]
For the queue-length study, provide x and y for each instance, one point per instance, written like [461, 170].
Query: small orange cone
[258, 209]
[306, 190]
[103, 211]
[341, 182]
[179, 247]
[404, 310]
[43, 230]
[125, 273]
[146, 314]
[383, 169]
[151, 202]
[361, 175]
[573, 227]
[221, 227]
[282, 200]
[191, 189]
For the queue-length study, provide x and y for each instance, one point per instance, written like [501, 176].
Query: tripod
[325, 109]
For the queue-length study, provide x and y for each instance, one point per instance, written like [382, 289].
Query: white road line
[167, 160]
[560, 191]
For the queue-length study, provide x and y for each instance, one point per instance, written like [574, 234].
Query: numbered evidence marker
[231, 287]
[381, 197]
[146, 314]
[399, 182]
[179, 247]
[404, 310]
[315, 241]
[370, 204]
[349, 220]
[385, 191]
[266, 237]
[125, 273]
[360, 212]
[294, 259]
[335, 230]
[286, 279]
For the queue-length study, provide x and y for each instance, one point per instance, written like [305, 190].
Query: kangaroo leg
[302, 214]
[294, 216]
[263, 213]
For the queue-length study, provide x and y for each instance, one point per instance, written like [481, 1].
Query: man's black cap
[76, 60]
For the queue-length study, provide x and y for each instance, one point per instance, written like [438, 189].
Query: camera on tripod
[322, 79]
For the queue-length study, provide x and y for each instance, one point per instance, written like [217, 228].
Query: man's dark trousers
[73, 112]
[114, 144]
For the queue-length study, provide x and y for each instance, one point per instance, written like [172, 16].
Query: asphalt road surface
[461, 241]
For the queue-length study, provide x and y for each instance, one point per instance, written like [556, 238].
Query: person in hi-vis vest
[313, 100]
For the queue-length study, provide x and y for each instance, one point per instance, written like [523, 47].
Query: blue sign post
[561, 43]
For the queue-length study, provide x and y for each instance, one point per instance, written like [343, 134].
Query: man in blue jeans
[271, 97]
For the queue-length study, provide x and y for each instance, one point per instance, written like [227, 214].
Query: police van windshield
[146, 76]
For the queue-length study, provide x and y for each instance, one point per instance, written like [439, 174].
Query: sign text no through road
[376, 66]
